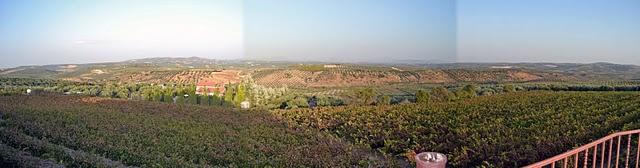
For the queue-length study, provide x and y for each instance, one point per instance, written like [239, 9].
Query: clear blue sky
[350, 30]
[549, 31]
[74, 31]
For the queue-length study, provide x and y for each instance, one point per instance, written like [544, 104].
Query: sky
[350, 30]
[76, 31]
[582, 31]
[79, 31]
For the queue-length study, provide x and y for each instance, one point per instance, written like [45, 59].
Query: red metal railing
[604, 152]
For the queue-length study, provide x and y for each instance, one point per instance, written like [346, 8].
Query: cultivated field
[145, 113]
[346, 77]
[508, 130]
[80, 131]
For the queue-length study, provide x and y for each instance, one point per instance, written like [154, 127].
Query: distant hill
[594, 71]
[192, 69]
[348, 78]
[189, 61]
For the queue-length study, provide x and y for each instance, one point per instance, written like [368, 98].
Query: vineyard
[76, 131]
[507, 130]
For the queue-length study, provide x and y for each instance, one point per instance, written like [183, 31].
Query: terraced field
[182, 76]
[364, 77]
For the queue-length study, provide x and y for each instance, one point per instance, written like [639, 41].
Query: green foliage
[606, 86]
[468, 91]
[122, 92]
[79, 131]
[471, 89]
[214, 101]
[194, 99]
[365, 94]
[228, 93]
[509, 88]
[240, 94]
[107, 91]
[423, 96]
[505, 130]
[297, 102]
[167, 97]
[180, 99]
[264, 97]
[442, 94]
[384, 100]
[152, 92]
[329, 101]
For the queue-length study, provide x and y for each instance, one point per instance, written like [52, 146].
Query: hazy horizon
[39, 32]
[408, 62]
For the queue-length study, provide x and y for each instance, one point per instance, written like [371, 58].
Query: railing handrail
[580, 149]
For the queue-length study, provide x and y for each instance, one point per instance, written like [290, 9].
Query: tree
[215, 100]
[442, 94]
[240, 94]
[509, 88]
[365, 94]
[228, 94]
[193, 99]
[487, 92]
[384, 100]
[180, 99]
[107, 91]
[94, 91]
[422, 96]
[297, 102]
[167, 97]
[122, 93]
[467, 91]
[471, 89]
[190, 89]
[329, 101]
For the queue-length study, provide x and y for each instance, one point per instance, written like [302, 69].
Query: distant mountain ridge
[185, 60]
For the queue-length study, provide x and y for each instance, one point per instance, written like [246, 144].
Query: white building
[245, 105]
[332, 66]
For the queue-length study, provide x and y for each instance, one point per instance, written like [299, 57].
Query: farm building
[245, 105]
[332, 66]
[210, 88]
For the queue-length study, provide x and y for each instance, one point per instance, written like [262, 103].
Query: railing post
[431, 160]
[607, 157]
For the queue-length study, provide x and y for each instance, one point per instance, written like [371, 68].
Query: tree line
[282, 98]
[174, 93]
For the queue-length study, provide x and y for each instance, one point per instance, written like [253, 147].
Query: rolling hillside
[192, 69]
[349, 78]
